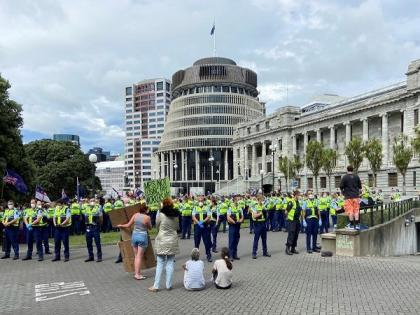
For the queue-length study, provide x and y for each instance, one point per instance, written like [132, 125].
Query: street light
[175, 168]
[211, 160]
[237, 178]
[93, 159]
[273, 149]
[262, 178]
[218, 174]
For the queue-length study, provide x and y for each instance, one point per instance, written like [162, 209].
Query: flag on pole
[40, 194]
[118, 194]
[64, 197]
[78, 190]
[13, 178]
[213, 29]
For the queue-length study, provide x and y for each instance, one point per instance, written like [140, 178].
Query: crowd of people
[179, 218]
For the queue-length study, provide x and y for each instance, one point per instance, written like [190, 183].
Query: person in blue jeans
[11, 221]
[93, 218]
[62, 223]
[139, 239]
[166, 243]
[260, 230]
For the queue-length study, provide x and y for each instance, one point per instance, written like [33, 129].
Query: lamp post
[93, 159]
[262, 178]
[237, 178]
[175, 168]
[211, 160]
[273, 149]
[218, 174]
[154, 173]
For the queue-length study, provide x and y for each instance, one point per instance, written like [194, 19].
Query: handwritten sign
[344, 242]
[57, 290]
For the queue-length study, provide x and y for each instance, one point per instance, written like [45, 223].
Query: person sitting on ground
[194, 272]
[222, 271]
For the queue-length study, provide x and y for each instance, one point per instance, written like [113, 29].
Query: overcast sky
[69, 60]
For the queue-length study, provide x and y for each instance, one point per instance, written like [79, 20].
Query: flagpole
[214, 38]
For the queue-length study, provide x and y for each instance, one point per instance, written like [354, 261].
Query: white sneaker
[349, 226]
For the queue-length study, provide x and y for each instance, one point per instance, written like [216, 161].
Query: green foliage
[402, 155]
[355, 152]
[287, 167]
[373, 153]
[297, 164]
[416, 140]
[329, 161]
[314, 159]
[12, 155]
[58, 164]
[156, 190]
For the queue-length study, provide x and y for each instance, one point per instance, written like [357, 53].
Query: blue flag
[16, 180]
[213, 29]
[64, 197]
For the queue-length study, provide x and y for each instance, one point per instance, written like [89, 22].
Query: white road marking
[57, 290]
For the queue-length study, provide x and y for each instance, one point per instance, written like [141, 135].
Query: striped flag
[40, 194]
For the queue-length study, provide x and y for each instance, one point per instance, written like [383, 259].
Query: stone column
[264, 157]
[226, 165]
[405, 127]
[245, 156]
[162, 166]
[235, 164]
[318, 135]
[182, 165]
[293, 145]
[332, 137]
[348, 132]
[365, 136]
[197, 166]
[385, 138]
[305, 141]
[171, 166]
[254, 160]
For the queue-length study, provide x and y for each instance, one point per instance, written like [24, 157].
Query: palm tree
[329, 161]
[373, 153]
[314, 153]
[355, 152]
[402, 155]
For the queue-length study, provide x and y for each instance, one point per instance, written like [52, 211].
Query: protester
[166, 243]
[222, 270]
[351, 188]
[194, 272]
[139, 239]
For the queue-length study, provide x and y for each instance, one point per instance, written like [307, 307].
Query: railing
[381, 213]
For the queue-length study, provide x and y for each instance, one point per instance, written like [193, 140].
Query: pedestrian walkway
[298, 284]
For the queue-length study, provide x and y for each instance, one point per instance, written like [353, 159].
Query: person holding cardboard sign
[139, 239]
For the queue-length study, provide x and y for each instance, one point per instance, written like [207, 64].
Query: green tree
[329, 161]
[402, 155]
[287, 168]
[355, 152]
[314, 158]
[58, 164]
[373, 153]
[12, 155]
[416, 140]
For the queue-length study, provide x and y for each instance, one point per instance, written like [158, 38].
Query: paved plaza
[298, 284]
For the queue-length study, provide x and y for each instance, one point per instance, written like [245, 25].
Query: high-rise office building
[146, 106]
[208, 100]
[67, 137]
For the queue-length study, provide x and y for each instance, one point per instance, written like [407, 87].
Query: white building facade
[111, 175]
[146, 107]
[382, 114]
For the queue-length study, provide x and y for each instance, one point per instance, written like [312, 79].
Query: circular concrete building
[208, 100]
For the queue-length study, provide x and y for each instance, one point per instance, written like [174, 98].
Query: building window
[310, 183]
[238, 153]
[128, 90]
[414, 179]
[337, 181]
[248, 130]
[225, 89]
[217, 88]
[267, 125]
[323, 182]
[257, 128]
[159, 86]
[168, 86]
[416, 117]
[392, 179]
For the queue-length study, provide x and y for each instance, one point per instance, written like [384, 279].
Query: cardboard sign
[118, 216]
[126, 233]
[132, 210]
[127, 253]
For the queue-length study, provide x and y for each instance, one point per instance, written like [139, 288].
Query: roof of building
[214, 61]
[109, 164]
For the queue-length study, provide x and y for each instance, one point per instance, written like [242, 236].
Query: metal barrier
[381, 213]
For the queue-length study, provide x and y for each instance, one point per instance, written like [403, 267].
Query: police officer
[29, 215]
[294, 214]
[44, 229]
[62, 223]
[222, 212]
[201, 218]
[235, 217]
[311, 221]
[108, 206]
[323, 205]
[260, 231]
[213, 225]
[11, 222]
[93, 216]
[75, 217]
[186, 212]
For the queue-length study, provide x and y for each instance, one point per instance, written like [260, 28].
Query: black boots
[288, 252]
